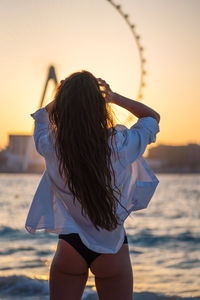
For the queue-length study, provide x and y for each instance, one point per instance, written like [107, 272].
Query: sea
[164, 242]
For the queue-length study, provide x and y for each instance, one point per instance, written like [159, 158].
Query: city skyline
[37, 34]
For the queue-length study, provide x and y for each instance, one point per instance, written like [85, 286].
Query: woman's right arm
[143, 132]
[140, 110]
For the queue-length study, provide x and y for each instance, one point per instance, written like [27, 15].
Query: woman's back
[65, 215]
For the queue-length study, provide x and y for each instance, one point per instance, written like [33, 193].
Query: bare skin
[69, 273]
[138, 109]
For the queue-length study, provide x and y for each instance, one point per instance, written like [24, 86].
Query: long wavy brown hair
[82, 123]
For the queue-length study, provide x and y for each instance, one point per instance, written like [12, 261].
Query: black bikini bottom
[74, 240]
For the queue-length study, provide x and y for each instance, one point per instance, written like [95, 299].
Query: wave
[10, 251]
[23, 286]
[5, 230]
[28, 288]
[18, 234]
[146, 238]
[144, 296]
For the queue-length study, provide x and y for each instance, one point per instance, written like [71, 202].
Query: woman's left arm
[49, 106]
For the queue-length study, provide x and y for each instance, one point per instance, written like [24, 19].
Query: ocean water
[164, 242]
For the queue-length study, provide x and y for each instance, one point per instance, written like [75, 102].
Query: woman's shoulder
[134, 140]
[146, 127]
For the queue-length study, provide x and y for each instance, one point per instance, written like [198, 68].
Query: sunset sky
[91, 35]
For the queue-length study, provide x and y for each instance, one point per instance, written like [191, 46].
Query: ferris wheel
[140, 48]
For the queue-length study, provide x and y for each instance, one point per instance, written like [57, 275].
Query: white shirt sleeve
[40, 134]
[138, 137]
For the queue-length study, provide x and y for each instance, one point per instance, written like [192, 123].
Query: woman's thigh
[68, 273]
[113, 275]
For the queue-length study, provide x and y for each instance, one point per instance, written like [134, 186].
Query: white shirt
[52, 208]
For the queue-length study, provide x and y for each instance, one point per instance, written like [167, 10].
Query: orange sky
[91, 35]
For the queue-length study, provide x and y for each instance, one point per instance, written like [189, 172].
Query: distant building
[175, 158]
[21, 155]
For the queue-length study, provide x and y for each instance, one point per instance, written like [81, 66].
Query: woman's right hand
[105, 89]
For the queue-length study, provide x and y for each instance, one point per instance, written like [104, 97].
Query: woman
[95, 176]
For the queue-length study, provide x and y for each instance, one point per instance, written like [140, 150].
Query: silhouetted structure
[165, 158]
[51, 75]
[20, 154]
[15, 159]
